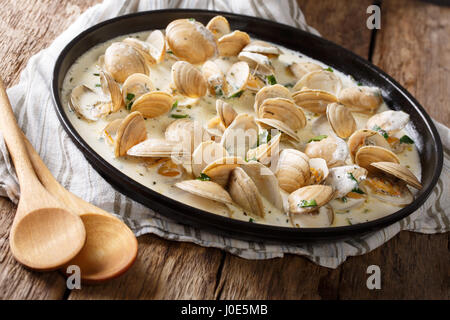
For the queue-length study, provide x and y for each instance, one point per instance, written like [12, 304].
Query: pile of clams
[309, 149]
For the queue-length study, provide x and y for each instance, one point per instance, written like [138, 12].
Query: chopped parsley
[251, 220]
[98, 85]
[349, 221]
[204, 177]
[130, 96]
[191, 19]
[359, 84]
[329, 69]
[179, 116]
[252, 159]
[289, 85]
[175, 105]
[380, 131]
[169, 51]
[406, 139]
[271, 79]
[318, 138]
[237, 94]
[97, 74]
[344, 199]
[357, 190]
[307, 203]
[352, 177]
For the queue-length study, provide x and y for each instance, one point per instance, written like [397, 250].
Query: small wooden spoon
[44, 235]
[111, 247]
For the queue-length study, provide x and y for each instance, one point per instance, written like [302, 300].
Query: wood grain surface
[412, 46]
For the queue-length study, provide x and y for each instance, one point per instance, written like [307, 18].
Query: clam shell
[299, 69]
[314, 100]
[142, 47]
[85, 102]
[283, 110]
[261, 47]
[244, 192]
[232, 43]
[187, 132]
[218, 26]
[365, 137]
[188, 80]
[159, 148]
[278, 125]
[109, 133]
[320, 193]
[389, 121]
[273, 91]
[339, 204]
[137, 84]
[361, 99]
[258, 62]
[153, 104]
[157, 45]
[341, 120]
[320, 80]
[205, 153]
[255, 83]
[131, 132]
[111, 88]
[219, 170]
[237, 77]
[214, 78]
[206, 189]
[225, 112]
[369, 154]
[321, 218]
[200, 202]
[392, 191]
[292, 170]
[318, 170]
[342, 182]
[266, 151]
[122, 60]
[332, 149]
[398, 171]
[240, 136]
[191, 41]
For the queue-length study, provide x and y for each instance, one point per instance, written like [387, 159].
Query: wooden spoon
[44, 235]
[110, 248]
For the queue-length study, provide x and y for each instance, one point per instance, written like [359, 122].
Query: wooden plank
[344, 24]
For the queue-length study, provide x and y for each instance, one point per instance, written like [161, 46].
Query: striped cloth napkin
[32, 102]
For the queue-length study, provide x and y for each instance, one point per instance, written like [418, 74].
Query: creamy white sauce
[83, 72]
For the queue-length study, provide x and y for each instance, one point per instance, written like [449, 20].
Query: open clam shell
[309, 198]
[153, 104]
[237, 77]
[278, 125]
[109, 133]
[266, 152]
[368, 154]
[154, 148]
[320, 80]
[187, 132]
[341, 120]
[142, 47]
[292, 170]
[157, 45]
[318, 170]
[344, 179]
[232, 43]
[314, 100]
[283, 110]
[365, 137]
[299, 69]
[218, 26]
[361, 99]
[261, 47]
[332, 149]
[258, 62]
[191, 41]
[323, 217]
[188, 80]
[244, 192]
[387, 189]
[87, 104]
[130, 132]
[241, 135]
[135, 86]
[255, 83]
[122, 60]
[350, 201]
[389, 121]
[111, 88]
[219, 170]
[398, 171]
[226, 113]
[206, 189]
[273, 91]
[205, 153]
[214, 78]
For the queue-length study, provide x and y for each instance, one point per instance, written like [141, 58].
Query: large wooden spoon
[44, 235]
[111, 247]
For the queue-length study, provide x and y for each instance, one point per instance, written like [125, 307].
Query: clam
[200, 202]
[273, 91]
[341, 120]
[225, 112]
[318, 170]
[320, 80]
[299, 69]
[111, 88]
[244, 192]
[205, 153]
[157, 45]
[220, 169]
[332, 149]
[85, 102]
[266, 182]
[388, 121]
[284, 110]
[237, 78]
[153, 104]
[188, 80]
[135, 86]
[323, 217]
[191, 41]
[187, 132]
[240, 136]
[130, 132]
[142, 47]
[361, 99]
[154, 148]
[109, 133]
[206, 189]
[292, 170]
[255, 83]
[369, 154]
[349, 201]
[258, 62]
[215, 78]
[314, 100]
[398, 171]
[218, 26]
[365, 137]
[344, 179]
[215, 128]
[232, 43]
[310, 198]
[280, 126]
[388, 189]
[265, 152]
[122, 60]
[262, 47]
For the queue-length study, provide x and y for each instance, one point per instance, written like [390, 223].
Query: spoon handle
[13, 138]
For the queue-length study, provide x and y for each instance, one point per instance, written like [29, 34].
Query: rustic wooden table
[413, 45]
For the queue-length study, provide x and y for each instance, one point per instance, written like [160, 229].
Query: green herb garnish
[97, 74]
[329, 69]
[406, 139]
[175, 105]
[129, 104]
[271, 79]
[357, 190]
[98, 85]
[344, 199]
[360, 84]
[307, 203]
[380, 131]
[191, 19]
[204, 177]
[352, 177]
[218, 91]
[252, 159]
[130, 96]
[237, 94]
[318, 138]
[289, 85]
[179, 116]
[251, 220]
[349, 221]
[169, 51]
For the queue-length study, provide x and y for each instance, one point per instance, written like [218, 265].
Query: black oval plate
[396, 97]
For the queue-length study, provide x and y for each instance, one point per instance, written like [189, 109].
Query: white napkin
[32, 102]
